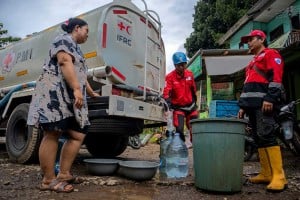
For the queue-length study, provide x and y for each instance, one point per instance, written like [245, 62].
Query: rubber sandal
[76, 180]
[48, 187]
[57, 186]
[60, 187]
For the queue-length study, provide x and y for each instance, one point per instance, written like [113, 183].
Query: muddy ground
[21, 181]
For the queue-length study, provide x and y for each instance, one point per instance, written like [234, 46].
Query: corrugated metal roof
[225, 65]
[221, 62]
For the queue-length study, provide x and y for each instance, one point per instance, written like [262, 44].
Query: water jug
[177, 158]
[170, 125]
[56, 168]
[164, 143]
[61, 142]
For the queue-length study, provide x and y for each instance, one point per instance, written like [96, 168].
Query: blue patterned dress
[53, 99]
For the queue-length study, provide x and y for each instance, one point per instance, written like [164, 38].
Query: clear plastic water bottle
[163, 150]
[61, 142]
[177, 158]
[170, 125]
[56, 168]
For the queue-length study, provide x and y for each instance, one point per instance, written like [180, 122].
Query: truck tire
[116, 126]
[22, 141]
[108, 137]
[135, 141]
[105, 146]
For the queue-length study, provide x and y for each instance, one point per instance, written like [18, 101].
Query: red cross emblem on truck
[8, 62]
[125, 27]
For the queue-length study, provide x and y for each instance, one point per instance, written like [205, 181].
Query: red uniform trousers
[178, 121]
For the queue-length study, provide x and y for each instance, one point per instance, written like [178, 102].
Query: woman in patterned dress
[61, 90]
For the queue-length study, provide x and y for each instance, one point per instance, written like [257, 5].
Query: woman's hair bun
[64, 27]
[70, 24]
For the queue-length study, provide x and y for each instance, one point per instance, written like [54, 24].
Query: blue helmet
[179, 57]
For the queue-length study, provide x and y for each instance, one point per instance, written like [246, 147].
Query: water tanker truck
[126, 59]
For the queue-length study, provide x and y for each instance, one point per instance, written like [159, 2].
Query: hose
[7, 96]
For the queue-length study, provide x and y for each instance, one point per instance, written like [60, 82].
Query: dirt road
[20, 182]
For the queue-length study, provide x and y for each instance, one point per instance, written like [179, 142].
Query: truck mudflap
[115, 105]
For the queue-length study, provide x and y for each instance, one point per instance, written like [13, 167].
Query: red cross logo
[124, 27]
[7, 62]
[121, 26]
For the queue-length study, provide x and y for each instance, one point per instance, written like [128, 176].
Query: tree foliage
[212, 19]
[4, 39]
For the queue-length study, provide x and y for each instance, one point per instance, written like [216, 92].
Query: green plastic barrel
[218, 153]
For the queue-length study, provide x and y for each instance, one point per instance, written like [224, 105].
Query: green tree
[212, 19]
[5, 40]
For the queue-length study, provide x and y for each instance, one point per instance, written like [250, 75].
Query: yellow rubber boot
[278, 182]
[265, 174]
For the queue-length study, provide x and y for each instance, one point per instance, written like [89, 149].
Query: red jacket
[263, 79]
[181, 91]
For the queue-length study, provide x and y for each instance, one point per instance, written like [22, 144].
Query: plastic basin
[101, 167]
[138, 170]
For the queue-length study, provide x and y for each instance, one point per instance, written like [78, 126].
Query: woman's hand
[90, 90]
[78, 98]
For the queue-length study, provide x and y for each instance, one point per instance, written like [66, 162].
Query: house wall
[280, 19]
[245, 30]
[296, 6]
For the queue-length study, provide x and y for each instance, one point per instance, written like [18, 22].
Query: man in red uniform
[260, 100]
[180, 93]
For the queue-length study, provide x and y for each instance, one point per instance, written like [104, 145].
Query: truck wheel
[108, 137]
[135, 141]
[119, 126]
[22, 141]
[105, 146]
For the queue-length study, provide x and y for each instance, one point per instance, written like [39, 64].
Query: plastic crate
[223, 108]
